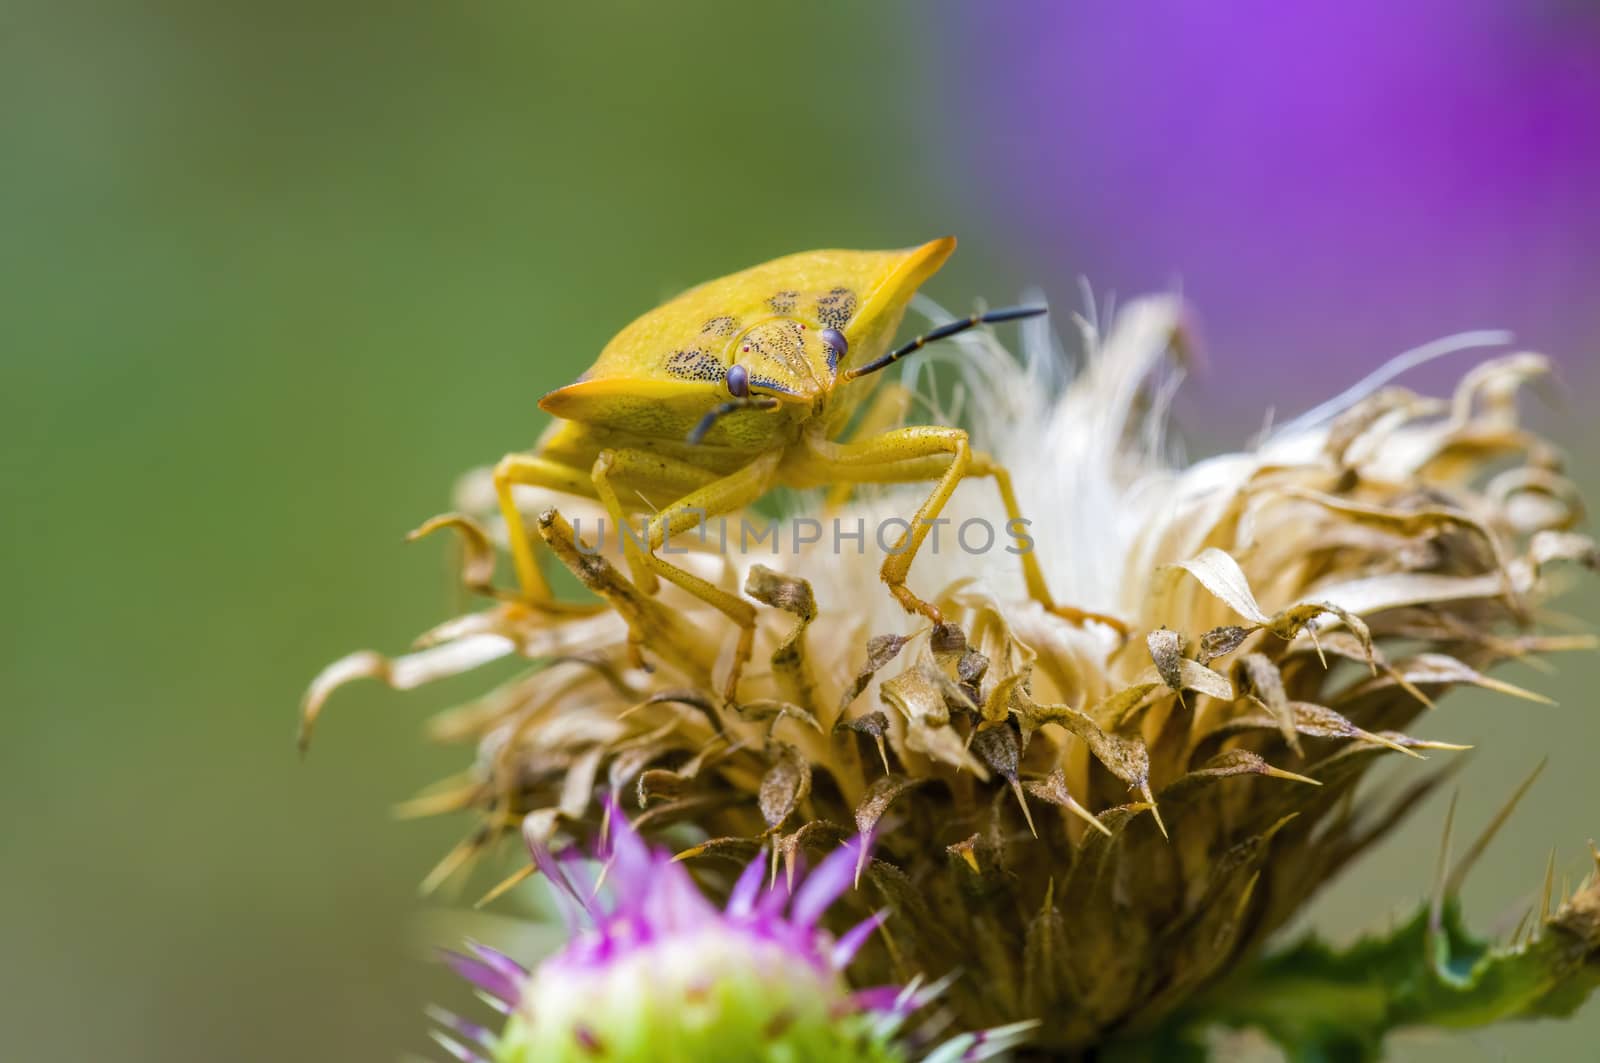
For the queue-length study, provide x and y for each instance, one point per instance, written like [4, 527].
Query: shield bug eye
[834, 340]
[738, 381]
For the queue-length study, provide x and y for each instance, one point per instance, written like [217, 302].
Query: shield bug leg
[651, 472]
[885, 459]
[722, 495]
[914, 454]
[532, 471]
[887, 410]
[1032, 574]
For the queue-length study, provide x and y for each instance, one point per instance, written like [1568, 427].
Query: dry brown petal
[399, 673]
[1439, 669]
[1375, 594]
[631, 756]
[1549, 546]
[577, 787]
[763, 709]
[1221, 641]
[883, 793]
[789, 662]
[1126, 758]
[477, 550]
[998, 747]
[1376, 415]
[1225, 765]
[817, 834]
[692, 809]
[1556, 504]
[923, 695]
[997, 706]
[943, 744]
[693, 699]
[1166, 650]
[659, 784]
[1259, 678]
[919, 695]
[972, 667]
[785, 785]
[455, 794]
[1411, 522]
[875, 724]
[1319, 721]
[737, 850]
[881, 649]
[1305, 616]
[1053, 788]
[1220, 574]
[1119, 710]
[1112, 711]
[947, 641]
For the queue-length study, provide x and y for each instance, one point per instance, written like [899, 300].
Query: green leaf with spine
[1320, 1004]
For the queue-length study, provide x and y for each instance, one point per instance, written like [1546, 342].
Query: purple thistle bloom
[654, 898]
[653, 970]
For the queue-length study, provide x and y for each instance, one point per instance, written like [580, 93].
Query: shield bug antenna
[988, 317]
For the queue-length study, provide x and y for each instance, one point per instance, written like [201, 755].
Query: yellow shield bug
[744, 384]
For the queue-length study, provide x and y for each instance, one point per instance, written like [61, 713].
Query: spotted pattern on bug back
[695, 364]
[630, 388]
[784, 302]
[775, 353]
[836, 307]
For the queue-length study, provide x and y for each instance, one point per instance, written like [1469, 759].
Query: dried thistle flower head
[1095, 828]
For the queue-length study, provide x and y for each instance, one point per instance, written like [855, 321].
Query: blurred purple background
[1330, 184]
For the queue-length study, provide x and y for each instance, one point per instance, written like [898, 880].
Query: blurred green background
[272, 276]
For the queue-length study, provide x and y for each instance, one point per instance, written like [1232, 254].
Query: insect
[743, 384]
